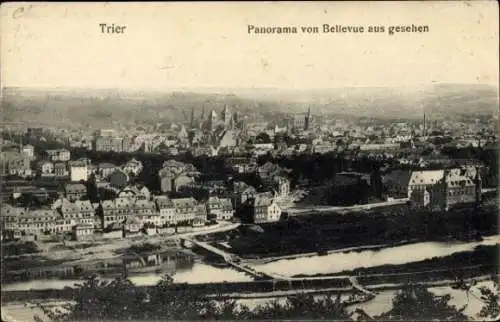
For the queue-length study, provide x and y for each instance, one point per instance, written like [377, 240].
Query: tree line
[122, 300]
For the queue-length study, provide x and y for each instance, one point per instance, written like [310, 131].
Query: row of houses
[82, 169]
[81, 218]
[20, 161]
[62, 218]
[66, 216]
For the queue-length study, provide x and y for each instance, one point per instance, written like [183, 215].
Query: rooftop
[426, 177]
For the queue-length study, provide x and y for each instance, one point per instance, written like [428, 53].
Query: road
[315, 209]
[370, 290]
[359, 287]
[257, 295]
[219, 229]
[295, 211]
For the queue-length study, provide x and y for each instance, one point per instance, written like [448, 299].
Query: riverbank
[392, 257]
[382, 302]
[272, 288]
[104, 248]
[376, 288]
[266, 260]
[307, 209]
[482, 255]
[320, 234]
[71, 254]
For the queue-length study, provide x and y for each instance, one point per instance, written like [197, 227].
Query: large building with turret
[300, 122]
[443, 189]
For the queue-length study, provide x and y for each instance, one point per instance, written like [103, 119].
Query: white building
[445, 188]
[421, 180]
[265, 209]
[281, 185]
[28, 150]
[166, 208]
[59, 155]
[220, 208]
[78, 171]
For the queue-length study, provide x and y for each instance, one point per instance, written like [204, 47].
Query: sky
[182, 45]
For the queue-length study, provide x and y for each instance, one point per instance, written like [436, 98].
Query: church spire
[307, 123]
[192, 117]
[203, 112]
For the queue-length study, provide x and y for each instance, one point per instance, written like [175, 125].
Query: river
[338, 262]
[198, 273]
[333, 263]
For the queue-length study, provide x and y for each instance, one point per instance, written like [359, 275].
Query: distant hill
[103, 107]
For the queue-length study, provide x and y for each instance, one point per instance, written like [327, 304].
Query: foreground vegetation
[122, 300]
[16, 249]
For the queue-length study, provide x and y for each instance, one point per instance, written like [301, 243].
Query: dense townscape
[222, 186]
[62, 190]
[249, 161]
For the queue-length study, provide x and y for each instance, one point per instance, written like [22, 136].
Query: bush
[20, 248]
[144, 248]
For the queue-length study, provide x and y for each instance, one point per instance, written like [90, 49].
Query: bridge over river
[230, 259]
[234, 261]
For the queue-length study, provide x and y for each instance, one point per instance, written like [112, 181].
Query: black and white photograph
[332, 160]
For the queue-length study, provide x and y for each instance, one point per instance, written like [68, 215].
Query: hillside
[101, 108]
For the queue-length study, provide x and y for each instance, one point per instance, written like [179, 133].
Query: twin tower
[227, 119]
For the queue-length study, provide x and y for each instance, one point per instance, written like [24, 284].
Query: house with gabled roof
[264, 208]
[184, 210]
[166, 210]
[75, 191]
[219, 208]
[115, 211]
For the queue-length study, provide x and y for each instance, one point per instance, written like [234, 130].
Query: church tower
[212, 120]
[203, 112]
[226, 115]
[192, 117]
[307, 122]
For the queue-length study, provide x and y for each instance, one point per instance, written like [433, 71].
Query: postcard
[249, 161]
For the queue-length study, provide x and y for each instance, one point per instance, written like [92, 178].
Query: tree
[122, 300]
[95, 300]
[304, 306]
[165, 302]
[415, 302]
[491, 300]
[263, 137]
[92, 191]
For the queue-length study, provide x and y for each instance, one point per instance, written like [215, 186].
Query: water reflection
[334, 263]
[198, 273]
